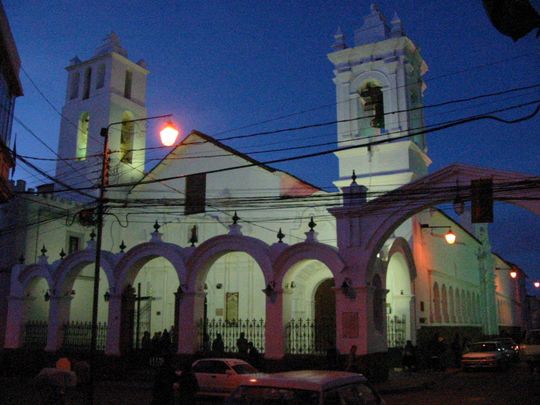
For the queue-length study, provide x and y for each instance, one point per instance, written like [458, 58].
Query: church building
[374, 270]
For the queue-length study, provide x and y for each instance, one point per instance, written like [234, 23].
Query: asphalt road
[515, 386]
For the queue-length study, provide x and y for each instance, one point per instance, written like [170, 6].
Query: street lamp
[449, 236]
[513, 272]
[536, 284]
[169, 133]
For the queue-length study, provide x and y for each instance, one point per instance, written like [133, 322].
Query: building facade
[10, 88]
[237, 246]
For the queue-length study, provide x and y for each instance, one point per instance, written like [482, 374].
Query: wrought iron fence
[35, 334]
[309, 336]
[78, 335]
[230, 331]
[395, 330]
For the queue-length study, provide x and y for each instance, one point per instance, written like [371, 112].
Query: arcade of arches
[297, 299]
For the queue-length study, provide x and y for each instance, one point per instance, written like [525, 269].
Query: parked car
[510, 346]
[490, 354]
[530, 348]
[306, 387]
[219, 376]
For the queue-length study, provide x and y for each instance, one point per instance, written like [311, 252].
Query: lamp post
[168, 133]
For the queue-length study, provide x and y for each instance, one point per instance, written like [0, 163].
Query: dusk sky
[237, 67]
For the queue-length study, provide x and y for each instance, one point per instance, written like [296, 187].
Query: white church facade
[374, 270]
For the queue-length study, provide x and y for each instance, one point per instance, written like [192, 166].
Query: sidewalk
[405, 381]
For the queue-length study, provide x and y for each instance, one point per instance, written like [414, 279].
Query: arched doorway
[309, 308]
[234, 302]
[325, 315]
[149, 307]
[399, 310]
[77, 292]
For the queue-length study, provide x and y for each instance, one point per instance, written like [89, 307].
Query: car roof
[314, 380]
[231, 362]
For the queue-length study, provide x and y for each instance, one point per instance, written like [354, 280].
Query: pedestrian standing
[187, 386]
[409, 356]
[163, 389]
[254, 356]
[456, 350]
[352, 365]
[242, 345]
[218, 346]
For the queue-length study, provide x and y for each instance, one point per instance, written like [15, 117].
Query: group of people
[438, 354]
[246, 349]
[161, 342]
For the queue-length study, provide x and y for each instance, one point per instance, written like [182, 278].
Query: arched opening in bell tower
[82, 136]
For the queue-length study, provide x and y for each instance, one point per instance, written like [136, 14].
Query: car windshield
[484, 347]
[272, 395]
[244, 369]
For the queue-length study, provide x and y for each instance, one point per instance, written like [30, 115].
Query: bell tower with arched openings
[379, 103]
[106, 88]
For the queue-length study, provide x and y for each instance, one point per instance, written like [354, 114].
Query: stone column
[58, 316]
[14, 322]
[351, 320]
[191, 313]
[112, 347]
[274, 333]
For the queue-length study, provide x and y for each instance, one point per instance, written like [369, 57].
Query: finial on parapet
[280, 236]
[339, 40]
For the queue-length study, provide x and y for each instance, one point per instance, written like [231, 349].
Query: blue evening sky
[222, 65]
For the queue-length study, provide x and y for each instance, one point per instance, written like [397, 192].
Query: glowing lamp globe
[450, 237]
[537, 284]
[168, 134]
[513, 274]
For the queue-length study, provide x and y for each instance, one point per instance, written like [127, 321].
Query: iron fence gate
[230, 331]
[35, 334]
[308, 336]
[396, 330]
[78, 335]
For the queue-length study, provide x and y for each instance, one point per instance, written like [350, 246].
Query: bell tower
[104, 89]
[379, 90]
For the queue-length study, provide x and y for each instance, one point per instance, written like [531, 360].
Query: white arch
[208, 252]
[294, 254]
[67, 271]
[129, 265]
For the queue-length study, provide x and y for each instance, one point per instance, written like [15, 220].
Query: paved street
[515, 386]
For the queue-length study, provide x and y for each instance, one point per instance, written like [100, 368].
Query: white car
[220, 376]
[306, 387]
[489, 354]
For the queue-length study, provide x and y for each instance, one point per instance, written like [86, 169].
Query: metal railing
[35, 334]
[308, 336]
[253, 330]
[77, 336]
[395, 330]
